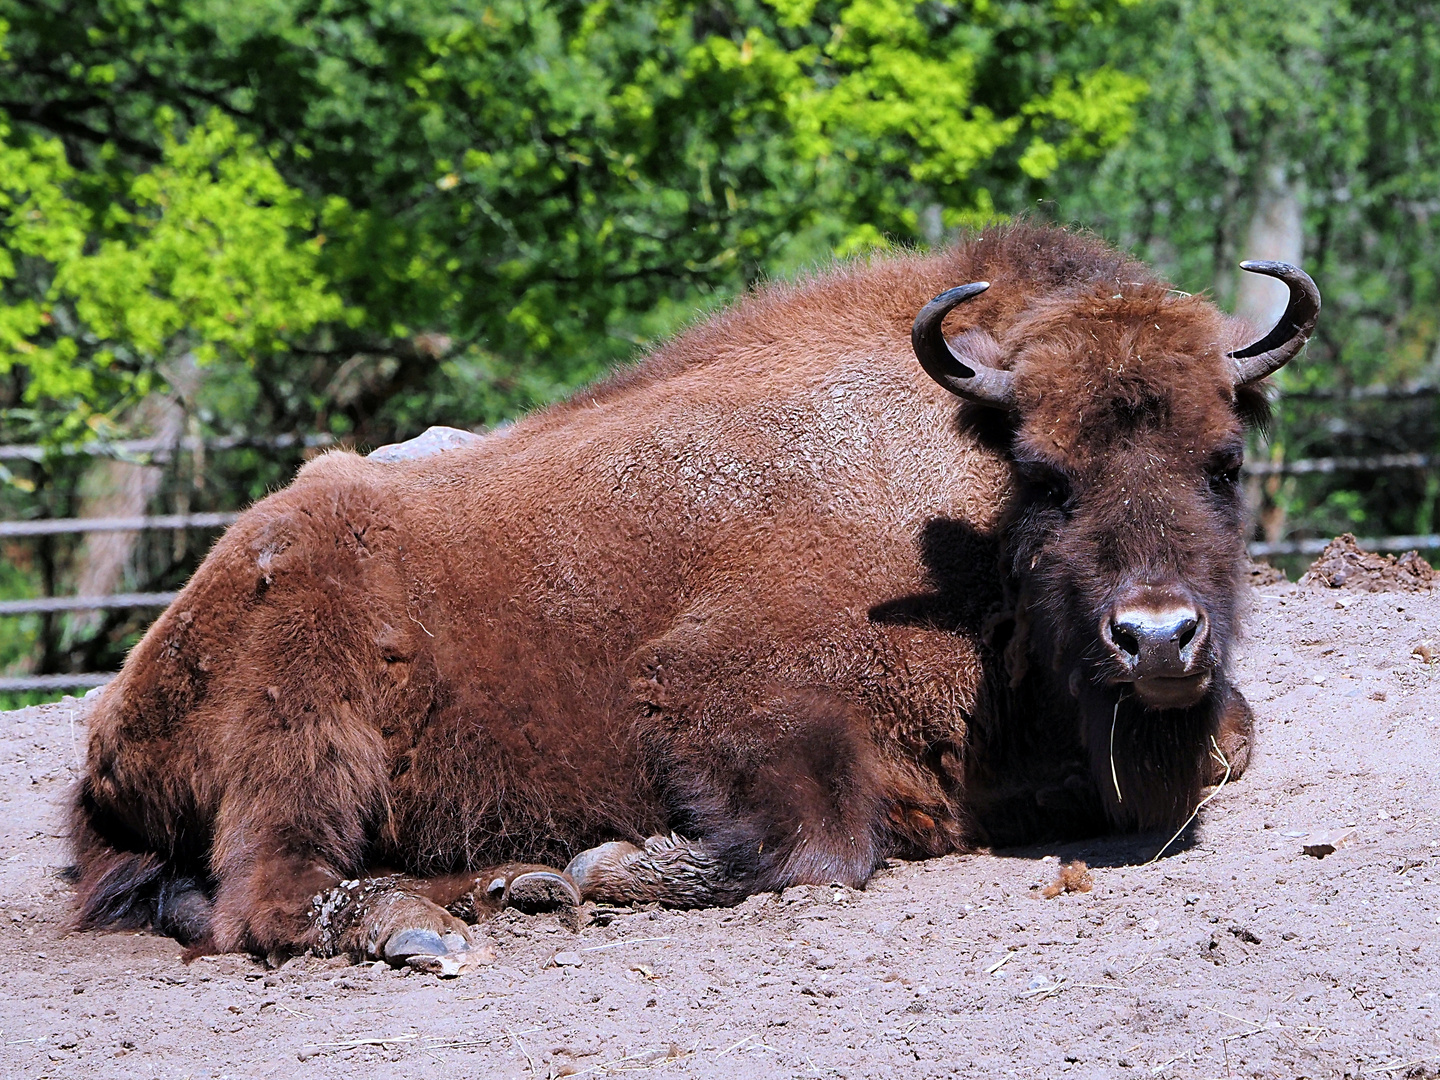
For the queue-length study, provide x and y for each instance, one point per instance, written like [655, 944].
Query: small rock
[568, 959]
[451, 965]
[435, 440]
[446, 966]
[818, 960]
[1324, 842]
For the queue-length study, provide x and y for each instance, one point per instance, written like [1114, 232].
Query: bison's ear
[1288, 336]
[964, 366]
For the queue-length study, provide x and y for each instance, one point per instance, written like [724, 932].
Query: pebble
[1326, 842]
[569, 959]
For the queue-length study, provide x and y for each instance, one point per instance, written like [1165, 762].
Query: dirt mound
[1343, 565]
[1262, 573]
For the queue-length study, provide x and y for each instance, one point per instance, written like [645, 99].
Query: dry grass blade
[521, 1047]
[623, 941]
[387, 1041]
[1114, 776]
[1043, 992]
[1397, 1066]
[384, 1042]
[471, 1042]
[1001, 962]
[653, 1058]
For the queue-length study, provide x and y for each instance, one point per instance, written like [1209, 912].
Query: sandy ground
[1239, 955]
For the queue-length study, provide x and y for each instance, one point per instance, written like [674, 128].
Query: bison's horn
[1288, 336]
[958, 373]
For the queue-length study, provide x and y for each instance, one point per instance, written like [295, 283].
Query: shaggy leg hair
[790, 796]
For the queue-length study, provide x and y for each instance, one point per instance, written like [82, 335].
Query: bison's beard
[1149, 765]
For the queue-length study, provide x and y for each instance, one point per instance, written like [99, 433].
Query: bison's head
[1127, 409]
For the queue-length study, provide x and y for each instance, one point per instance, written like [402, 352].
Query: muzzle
[1157, 637]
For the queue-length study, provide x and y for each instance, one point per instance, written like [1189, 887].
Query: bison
[766, 609]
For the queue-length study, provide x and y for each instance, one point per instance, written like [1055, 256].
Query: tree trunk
[125, 489]
[1276, 232]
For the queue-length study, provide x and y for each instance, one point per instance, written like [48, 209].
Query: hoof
[414, 942]
[588, 868]
[541, 890]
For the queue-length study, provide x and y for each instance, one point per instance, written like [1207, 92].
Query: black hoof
[415, 942]
[588, 868]
[540, 890]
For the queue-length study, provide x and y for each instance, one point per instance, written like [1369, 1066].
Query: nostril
[1125, 639]
[1187, 633]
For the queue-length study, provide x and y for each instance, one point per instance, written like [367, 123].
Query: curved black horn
[958, 374]
[1288, 336]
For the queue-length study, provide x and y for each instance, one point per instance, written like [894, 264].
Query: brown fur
[740, 592]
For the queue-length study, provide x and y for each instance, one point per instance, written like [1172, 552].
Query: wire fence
[150, 451]
[158, 451]
[59, 526]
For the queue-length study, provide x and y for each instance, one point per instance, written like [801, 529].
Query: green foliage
[1338, 102]
[1339, 99]
[535, 179]
[108, 274]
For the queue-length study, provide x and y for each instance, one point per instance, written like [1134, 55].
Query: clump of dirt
[1344, 565]
[1073, 877]
[1262, 573]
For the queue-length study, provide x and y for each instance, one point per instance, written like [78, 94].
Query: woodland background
[237, 220]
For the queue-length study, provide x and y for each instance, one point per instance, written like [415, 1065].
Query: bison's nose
[1155, 641]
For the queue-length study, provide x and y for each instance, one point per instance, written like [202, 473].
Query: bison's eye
[1224, 474]
[1049, 486]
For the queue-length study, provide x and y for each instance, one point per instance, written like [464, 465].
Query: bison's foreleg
[290, 903]
[383, 917]
[306, 791]
[1235, 739]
